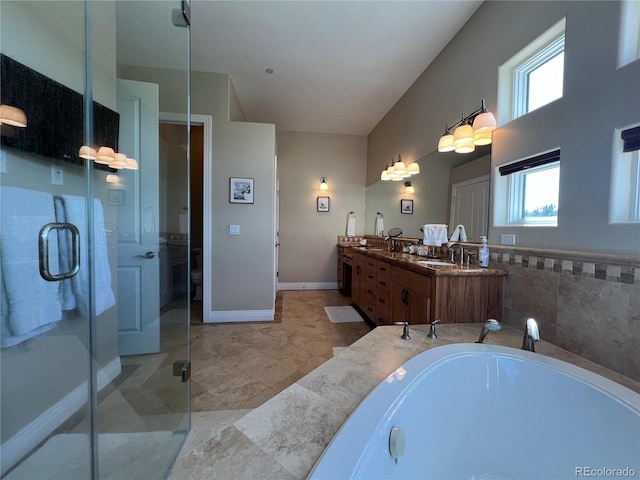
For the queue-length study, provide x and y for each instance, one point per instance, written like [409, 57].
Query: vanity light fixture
[473, 129]
[112, 178]
[132, 164]
[87, 153]
[119, 162]
[408, 188]
[106, 155]
[398, 170]
[323, 184]
[13, 116]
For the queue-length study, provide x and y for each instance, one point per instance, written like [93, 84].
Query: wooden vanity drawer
[382, 317]
[383, 270]
[383, 302]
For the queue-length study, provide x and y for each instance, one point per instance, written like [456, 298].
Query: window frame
[521, 74]
[517, 190]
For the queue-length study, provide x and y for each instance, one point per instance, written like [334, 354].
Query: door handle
[149, 255]
[43, 251]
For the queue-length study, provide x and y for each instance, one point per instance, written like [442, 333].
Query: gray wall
[243, 277]
[307, 237]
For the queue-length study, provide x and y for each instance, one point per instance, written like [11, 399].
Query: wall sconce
[408, 188]
[111, 178]
[473, 129]
[87, 153]
[323, 184]
[398, 170]
[12, 116]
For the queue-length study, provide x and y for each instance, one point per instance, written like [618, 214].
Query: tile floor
[240, 366]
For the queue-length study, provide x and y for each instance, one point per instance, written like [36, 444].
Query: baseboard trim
[231, 316]
[308, 286]
[35, 432]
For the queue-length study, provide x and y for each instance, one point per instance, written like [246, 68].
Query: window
[624, 202]
[534, 76]
[629, 49]
[533, 190]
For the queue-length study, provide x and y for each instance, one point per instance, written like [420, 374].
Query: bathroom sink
[435, 262]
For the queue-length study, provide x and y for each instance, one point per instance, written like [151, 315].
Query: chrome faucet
[450, 245]
[531, 335]
[405, 330]
[490, 325]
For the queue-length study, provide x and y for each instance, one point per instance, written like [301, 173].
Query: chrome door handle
[43, 251]
[149, 255]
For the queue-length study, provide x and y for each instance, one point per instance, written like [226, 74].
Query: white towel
[67, 297]
[379, 227]
[351, 225]
[459, 234]
[7, 338]
[32, 302]
[434, 234]
[74, 207]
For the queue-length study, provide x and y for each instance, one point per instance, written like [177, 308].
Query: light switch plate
[508, 239]
[57, 177]
[234, 229]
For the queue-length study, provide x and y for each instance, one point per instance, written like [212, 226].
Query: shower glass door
[94, 261]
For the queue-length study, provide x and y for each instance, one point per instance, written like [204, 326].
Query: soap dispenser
[483, 253]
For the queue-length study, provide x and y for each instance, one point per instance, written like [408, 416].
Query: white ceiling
[339, 66]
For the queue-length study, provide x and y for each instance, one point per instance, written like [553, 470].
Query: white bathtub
[471, 411]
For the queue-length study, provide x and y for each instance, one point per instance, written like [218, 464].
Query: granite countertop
[413, 262]
[284, 437]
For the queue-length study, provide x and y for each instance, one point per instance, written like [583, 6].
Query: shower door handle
[43, 251]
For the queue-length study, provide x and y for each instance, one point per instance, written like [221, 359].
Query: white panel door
[138, 220]
[470, 207]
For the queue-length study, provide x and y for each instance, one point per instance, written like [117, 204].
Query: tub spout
[490, 325]
[531, 335]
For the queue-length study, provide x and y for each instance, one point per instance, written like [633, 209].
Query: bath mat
[343, 314]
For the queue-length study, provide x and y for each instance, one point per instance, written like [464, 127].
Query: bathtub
[476, 411]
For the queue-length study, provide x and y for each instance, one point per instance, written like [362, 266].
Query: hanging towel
[67, 297]
[459, 234]
[379, 226]
[434, 234]
[7, 338]
[351, 224]
[74, 208]
[32, 302]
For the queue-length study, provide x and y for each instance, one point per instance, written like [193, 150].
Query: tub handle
[397, 443]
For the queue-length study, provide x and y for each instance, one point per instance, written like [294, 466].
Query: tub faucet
[405, 330]
[531, 335]
[490, 325]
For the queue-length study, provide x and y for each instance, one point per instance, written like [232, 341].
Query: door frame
[207, 125]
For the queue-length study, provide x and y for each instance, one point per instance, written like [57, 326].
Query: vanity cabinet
[345, 269]
[395, 287]
[411, 294]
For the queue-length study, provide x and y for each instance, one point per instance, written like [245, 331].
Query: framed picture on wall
[406, 206]
[240, 190]
[322, 204]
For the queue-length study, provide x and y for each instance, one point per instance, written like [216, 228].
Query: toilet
[196, 273]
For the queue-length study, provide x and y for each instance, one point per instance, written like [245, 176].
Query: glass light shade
[390, 171]
[483, 138]
[446, 143]
[132, 164]
[413, 168]
[12, 116]
[466, 147]
[399, 168]
[119, 162]
[485, 122]
[111, 178]
[409, 189]
[463, 134]
[87, 153]
[397, 178]
[106, 155]
[384, 176]
[323, 184]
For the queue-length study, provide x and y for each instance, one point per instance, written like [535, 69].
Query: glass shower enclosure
[95, 348]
